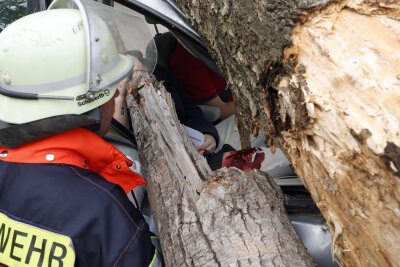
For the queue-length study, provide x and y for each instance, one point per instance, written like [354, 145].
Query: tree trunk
[224, 218]
[321, 80]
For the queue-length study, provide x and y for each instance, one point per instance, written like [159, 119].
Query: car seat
[166, 43]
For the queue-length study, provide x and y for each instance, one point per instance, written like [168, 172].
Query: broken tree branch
[204, 218]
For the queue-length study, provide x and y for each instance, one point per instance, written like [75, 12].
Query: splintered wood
[225, 218]
[348, 71]
[322, 80]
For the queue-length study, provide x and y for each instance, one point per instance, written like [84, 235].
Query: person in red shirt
[205, 86]
[202, 85]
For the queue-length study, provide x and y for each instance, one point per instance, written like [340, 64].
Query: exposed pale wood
[353, 109]
[227, 218]
[322, 81]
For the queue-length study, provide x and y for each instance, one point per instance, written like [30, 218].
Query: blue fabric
[188, 112]
[104, 226]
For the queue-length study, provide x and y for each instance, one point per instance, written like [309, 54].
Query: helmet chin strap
[15, 135]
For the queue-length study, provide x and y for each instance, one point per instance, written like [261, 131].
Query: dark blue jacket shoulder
[105, 228]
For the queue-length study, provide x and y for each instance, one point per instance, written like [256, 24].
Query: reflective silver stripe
[70, 82]
[120, 77]
[45, 87]
[110, 65]
[87, 19]
[94, 70]
[55, 97]
[92, 46]
[86, 25]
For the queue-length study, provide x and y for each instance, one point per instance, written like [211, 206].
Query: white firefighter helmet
[68, 59]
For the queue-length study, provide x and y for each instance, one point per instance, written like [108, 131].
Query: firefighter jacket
[63, 203]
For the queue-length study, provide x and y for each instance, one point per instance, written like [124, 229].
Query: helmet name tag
[97, 97]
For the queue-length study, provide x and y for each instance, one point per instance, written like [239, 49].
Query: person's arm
[195, 119]
[199, 82]
[227, 108]
[188, 112]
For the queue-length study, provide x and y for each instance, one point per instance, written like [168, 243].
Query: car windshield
[11, 10]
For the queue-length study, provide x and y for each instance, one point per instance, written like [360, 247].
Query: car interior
[166, 43]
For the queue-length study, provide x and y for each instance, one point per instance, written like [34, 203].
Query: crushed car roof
[164, 12]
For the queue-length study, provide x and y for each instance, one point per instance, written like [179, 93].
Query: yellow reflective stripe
[154, 258]
[153, 236]
[22, 244]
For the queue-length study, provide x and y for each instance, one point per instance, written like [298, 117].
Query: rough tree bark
[321, 80]
[206, 219]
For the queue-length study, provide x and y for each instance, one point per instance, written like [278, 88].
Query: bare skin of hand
[209, 143]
